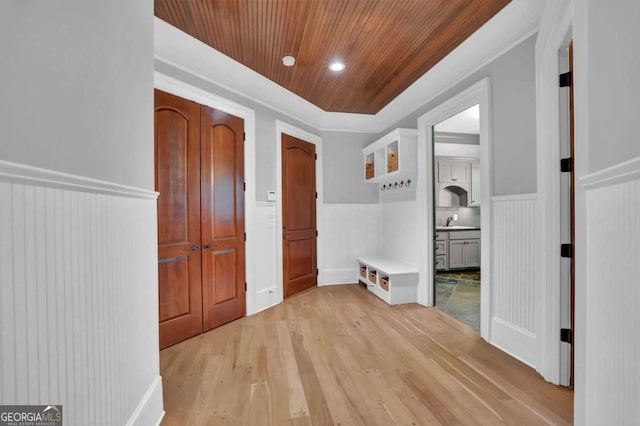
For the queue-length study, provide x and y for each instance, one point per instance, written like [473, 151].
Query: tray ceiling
[386, 44]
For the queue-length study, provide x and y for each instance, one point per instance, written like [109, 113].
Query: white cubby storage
[393, 157]
[392, 281]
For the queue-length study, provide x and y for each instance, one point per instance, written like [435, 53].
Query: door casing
[476, 94]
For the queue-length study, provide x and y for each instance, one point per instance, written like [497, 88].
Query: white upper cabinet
[392, 158]
[453, 171]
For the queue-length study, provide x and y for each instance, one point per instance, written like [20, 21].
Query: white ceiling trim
[517, 21]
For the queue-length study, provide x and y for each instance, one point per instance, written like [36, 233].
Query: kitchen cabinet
[453, 171]
[457, 182]
[392, 158]
[464, 249]
[475, 184]
[441, 251]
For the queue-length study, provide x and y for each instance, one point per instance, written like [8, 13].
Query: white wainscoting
[399, 226]
[513, 276]
[79, 297]
[351, 230]
[268, 293]
[612, 288]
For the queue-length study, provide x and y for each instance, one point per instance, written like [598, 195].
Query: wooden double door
[199, 165]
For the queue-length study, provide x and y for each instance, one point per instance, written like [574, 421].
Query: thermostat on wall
[271, 195]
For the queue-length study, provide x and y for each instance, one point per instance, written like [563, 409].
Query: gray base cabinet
[464, 249]
[441, 250]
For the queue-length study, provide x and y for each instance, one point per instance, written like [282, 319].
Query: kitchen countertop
[457, 228]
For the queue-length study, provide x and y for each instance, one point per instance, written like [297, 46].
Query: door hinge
[566, 335]
[315, 156]
[566, 79]
[245, 286]
[316, 232]
[316, 195]
[244, 136]
[566, 165]
[566, 250]
[244, 186]
[317, 272]
[245, 237]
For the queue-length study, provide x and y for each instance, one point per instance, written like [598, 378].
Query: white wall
[606, 63]
[78, 265]
[399, 226]
[513, 286]
[351, 230]
[266, 293]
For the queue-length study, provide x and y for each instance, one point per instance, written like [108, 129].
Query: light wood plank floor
[339, 355]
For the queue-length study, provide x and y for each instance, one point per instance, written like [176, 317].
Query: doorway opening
[426, 195]
[456, 215]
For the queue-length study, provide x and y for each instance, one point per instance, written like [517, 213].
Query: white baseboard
[339, 276]
[515, 341]
[150, 409]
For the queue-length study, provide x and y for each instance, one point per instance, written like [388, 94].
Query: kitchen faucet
[451, 219]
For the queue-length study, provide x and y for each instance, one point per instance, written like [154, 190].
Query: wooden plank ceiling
[385, 44]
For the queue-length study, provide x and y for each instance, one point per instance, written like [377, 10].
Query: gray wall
[613, 63]
[77, 88]
[513, 121]
[265, 127]
[343, 169]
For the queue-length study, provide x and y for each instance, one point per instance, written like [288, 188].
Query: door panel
[472, 254]
[224, 271]
[456, 254]
[298, 215]
[301, 258]
[173, 279]
[177, 152]
[222, 216]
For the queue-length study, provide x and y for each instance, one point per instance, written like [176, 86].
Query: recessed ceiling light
[337, 66]
[288, 61]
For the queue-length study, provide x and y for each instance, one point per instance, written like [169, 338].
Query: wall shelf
[393, 157]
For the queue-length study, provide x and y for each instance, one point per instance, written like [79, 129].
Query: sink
[451, 228]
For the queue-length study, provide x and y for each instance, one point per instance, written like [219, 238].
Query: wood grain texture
[386, 44]
[339, 355]
[177, 179]
[222, 217]
[298, 215]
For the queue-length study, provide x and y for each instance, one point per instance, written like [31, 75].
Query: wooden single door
[177, 170]
[298, 215]
[222, 216]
